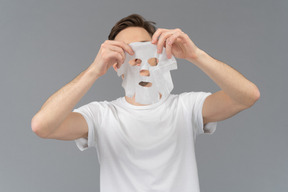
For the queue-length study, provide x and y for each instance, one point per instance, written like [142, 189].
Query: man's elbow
[254, 96]
[37, 127]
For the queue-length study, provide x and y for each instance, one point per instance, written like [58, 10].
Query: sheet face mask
[147, 61]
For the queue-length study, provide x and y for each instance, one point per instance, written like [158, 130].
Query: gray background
[45, 44]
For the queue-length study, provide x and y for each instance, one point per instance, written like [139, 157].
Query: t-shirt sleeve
[92, 114]
[193, 102]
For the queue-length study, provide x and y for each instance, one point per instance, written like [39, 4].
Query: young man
[144, 147]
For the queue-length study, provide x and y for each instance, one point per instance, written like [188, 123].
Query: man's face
[144, 71]
[147, 73]
[135, 34]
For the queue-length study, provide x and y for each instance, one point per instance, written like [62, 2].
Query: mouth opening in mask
[145, 84]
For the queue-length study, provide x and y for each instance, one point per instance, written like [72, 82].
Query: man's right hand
[111, 53]
[55, 119]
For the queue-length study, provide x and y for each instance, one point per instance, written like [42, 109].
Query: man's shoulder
[188, 98]
[105, 104]
[189, 94]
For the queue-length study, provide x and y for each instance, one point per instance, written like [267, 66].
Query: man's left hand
[176, 42]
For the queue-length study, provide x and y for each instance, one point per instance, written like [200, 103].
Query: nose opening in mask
[144, 70]
[135, 62]
[144, 73]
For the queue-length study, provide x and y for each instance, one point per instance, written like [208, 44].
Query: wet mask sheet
[147, 73]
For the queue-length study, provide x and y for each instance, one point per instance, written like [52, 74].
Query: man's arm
[237, 93]
[55, 119]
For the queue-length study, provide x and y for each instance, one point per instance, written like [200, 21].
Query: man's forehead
[133, 34]
[144, 49]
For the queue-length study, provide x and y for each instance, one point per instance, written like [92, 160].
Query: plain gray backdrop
[46, 44]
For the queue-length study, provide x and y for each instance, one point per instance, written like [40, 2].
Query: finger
[127, 48]
[124, 46]
[119, 59]
[169, 43]
[118, 50]
[162, 41]
[168, 51]
[156, 35]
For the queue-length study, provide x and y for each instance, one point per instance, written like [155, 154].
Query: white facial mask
[147, 60]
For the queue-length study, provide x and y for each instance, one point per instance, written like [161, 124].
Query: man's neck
[133, 102]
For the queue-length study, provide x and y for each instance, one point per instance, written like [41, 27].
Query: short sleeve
[193, 102]
[92, 114]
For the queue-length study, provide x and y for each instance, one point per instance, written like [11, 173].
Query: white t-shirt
[146, 148]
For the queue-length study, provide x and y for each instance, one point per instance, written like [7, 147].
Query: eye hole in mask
[153, 61]
[135, 62]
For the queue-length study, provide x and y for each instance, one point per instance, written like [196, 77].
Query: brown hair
[133, 20]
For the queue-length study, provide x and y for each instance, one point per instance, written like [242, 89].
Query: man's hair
[133, 20]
